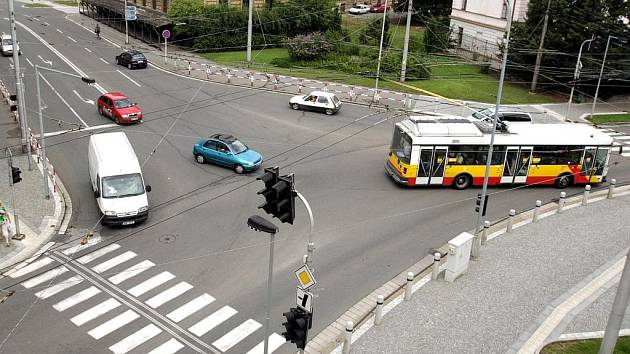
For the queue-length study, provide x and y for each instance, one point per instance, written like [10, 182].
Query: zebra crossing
[621, 140]
[132, 306]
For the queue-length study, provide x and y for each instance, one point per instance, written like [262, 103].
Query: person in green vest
[5, 220]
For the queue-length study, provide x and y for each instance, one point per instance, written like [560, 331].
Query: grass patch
[36, 5]
[609, 118]
[590, 346]
[65, 2]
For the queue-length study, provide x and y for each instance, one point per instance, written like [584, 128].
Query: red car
[379, 8]
[119, 108]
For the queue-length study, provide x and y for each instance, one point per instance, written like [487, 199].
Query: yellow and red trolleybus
[453, 152]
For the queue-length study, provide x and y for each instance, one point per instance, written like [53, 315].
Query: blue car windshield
[237, 147]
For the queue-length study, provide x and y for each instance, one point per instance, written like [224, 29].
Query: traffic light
[478, 204]
[297, 326]
[270, 178]
[13, 107]
[279, 195]
[15, 174]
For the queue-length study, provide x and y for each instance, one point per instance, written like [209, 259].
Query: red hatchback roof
[115, 95]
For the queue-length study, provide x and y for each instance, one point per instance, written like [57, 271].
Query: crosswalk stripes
[620, 140]
[92, 307]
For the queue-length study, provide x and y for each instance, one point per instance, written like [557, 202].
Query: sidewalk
[546, 280]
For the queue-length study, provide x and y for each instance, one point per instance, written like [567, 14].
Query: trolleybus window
[401, 145]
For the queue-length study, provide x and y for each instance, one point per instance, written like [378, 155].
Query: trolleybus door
[431, 166]
[516, 165]
[595, 162]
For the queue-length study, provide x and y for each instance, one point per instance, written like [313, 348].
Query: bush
[437, 37]
[371, 34]
[308, 47]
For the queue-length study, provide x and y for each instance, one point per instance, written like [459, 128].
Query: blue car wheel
[200, 159]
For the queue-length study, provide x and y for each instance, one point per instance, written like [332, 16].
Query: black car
[132, 59]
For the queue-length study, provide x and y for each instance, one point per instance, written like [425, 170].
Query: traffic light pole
[42, 136]
[269, 280]
[310, 246]
[16, 221]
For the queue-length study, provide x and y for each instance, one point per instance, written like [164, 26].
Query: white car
[359, 9]
[6, 45]
[318, 101]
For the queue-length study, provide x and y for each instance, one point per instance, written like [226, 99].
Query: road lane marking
[32, 267]
[94, 312]
[170, 347]
[88, 101]
[30, 63]
[113, 324]
[76, 299]
[46, 24]
[190, 308]
[111, 263]
[131, 272]
[88, 50]
[275, 341]
[150, 284]
[59, 287]
[49, 62]
[236, 335]
[98, 253]
[207, 324]
[72, 39]
[168, 294]
[135, 339]
[130, 79]
[59, 132]
[64, 101]
[103, 60]
[58, 30]
[44, 277]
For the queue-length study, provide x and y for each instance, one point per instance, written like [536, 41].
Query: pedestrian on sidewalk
[5, 221]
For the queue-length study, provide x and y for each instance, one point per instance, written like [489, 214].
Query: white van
[6, 45]
[117, 180]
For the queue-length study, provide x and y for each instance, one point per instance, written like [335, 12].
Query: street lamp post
[259, 223]
[484, 191]
[599, 80]
[380, 53]
[42, 135]
[576, 74]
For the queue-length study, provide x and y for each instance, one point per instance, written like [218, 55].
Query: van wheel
[200, 159]
[563, 181]
[462, 181]
[238, 169]
[100, 110]
[295, 106]
[329, 112]
[117, 61]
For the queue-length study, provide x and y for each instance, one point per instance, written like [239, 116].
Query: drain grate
[168, 238]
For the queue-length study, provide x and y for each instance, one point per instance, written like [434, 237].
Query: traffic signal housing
[269, 178]
[15, 174]
[478, 204]
[279, 193]
[297, 326]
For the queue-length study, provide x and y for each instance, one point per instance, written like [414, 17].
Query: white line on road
[68, 283]
[58, 30]
[150, 284]
[96, 127]
[190, 308]
[103, 60]
[236, 335]
[95, 312]
[113, 324]
[32, 267]
[64, 101]
[72, 39]
[98, 253]
[169, 294]
[49, 62]
[275, 341]
[88, 50]
[135, 339]
[44, 277]
[29, 62]
[76, 299]
[207, 324]
[131, 272]
[170, 347]
[83, 99]
[46, 23]
[111, 263]
[130, 79]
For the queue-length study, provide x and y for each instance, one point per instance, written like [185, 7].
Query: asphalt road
[367, 228]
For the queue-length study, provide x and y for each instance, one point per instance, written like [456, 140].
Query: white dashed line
[88, 50]
[58, 30]
[103, 60]
[72, 39]
[130, 79]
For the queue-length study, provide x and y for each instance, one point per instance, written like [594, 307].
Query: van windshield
[122, 186]
[7, 41]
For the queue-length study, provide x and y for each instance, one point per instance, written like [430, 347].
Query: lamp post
[599, 80]
[380, 53]
[484, 191]
[576, 74]
[261, 224]
[42, 136]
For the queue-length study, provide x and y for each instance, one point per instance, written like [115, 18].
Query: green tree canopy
[185, 8]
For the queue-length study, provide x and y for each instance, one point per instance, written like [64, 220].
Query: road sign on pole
[130, 13]
[304, 300]
[166, 34]
[305, 277]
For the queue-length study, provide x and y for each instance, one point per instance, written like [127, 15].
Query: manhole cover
[168, 238]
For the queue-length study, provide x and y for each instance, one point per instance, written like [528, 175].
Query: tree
[371, 34]
[570, 23]
[437, 37]
[181, 9]
[426, 9]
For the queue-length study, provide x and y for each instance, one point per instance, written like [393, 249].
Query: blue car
[226, 150]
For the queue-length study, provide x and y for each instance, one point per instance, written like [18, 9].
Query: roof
[436, 133]
[223, 137]
[147, 15]
[115, 95]
[322, 93]
[115, 154]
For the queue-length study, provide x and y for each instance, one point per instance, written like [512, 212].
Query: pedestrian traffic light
[279, 195]
[297, 326]
[270, 178]
[15, 174]
[478, 204]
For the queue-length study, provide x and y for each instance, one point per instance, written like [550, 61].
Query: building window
[460, 36]
[504, 11]
[464, 4]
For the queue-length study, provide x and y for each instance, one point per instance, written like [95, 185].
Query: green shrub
[308, 47]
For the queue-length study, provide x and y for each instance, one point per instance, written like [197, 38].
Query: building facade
[479, 26]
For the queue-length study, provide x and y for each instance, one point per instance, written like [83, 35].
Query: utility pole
[250, 11]
[18, 79]
[601, 72]
[126, 25]
[380, 52]
[576, 74]
[403, 65]
[619, 308]
[540, 49]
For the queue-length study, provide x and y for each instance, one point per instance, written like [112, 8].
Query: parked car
[227, 150]
[507, 115]
[379, 8]
[118, 107]
[359, 9]
[318, 101]
[131, 59]
[6, 47]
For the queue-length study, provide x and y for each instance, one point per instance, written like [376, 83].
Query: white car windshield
[122, 186]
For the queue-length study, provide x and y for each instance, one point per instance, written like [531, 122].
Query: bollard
[228, 77]
[377, 97]
[408, 286]
[378, 314]
[436, 265]
[510, 220]
[587, 191]
[536, 211]
[352, 95]
[325, 87]
[300, 86]
[561, 202]
[611, 188]
[251, 80]
[484, 234]
[275, 83]
[189, 68]
[348, 337]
